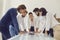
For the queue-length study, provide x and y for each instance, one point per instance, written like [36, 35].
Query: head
[22, 9]
[36, 11]
[43, 11]
[31, 15]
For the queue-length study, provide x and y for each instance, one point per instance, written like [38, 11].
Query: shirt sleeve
[41, 25]
[36, 21]
[48, 22]
[20, 23]
[26, 22]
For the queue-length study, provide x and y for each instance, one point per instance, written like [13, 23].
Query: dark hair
[21, 7]
[36, 10]
[30, 13]
[44, 11]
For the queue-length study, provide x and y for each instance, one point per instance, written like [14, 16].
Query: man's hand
[22, 32]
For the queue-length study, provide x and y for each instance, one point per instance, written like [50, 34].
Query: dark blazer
[7, 19]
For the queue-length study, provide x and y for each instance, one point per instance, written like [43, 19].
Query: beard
[23, 15]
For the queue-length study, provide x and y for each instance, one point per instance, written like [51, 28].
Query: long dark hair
[43, 10]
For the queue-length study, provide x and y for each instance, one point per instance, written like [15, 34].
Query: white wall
[1, 8]
[51, 5]
[4, 6]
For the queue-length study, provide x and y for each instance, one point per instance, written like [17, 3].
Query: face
[23, 12]
[40, 13]
[37, 13]
[31, 16]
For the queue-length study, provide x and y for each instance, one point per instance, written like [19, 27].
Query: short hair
[43, 10]
[21, 7]
[30, 13]
[36, 10]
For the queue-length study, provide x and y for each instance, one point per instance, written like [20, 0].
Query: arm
[13, 14]
[48, 23]
[26, 22]
[36, 25]
[20, 23]
[41, 25]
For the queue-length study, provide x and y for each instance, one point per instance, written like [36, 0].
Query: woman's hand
[46, 33]
[37, 31]
[22, 32]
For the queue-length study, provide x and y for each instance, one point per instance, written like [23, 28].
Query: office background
[52, 6]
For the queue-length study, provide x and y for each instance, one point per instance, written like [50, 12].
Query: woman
[36, 11]
[31, 23]
[40, 20]
[47, 26]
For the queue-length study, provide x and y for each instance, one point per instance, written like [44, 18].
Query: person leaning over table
[48, 30]
[36, 12]
[40, 20]
[22, 19]
[8, 23]
[31, 22]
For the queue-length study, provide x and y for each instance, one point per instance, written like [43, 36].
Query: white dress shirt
[50, 21]
[30, 23]
[40, 22]
[22, 22]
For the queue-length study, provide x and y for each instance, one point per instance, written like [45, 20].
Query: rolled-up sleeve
[20, 23]
[48, 22]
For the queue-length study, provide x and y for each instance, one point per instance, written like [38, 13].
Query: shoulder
[12, 10]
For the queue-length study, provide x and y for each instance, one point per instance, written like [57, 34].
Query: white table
[31, 37]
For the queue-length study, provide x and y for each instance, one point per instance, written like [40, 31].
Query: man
[10, 18]
[23, 19]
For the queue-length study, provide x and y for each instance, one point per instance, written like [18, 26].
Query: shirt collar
[18, 13]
